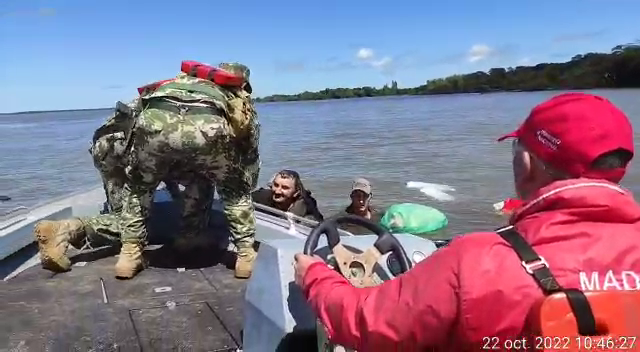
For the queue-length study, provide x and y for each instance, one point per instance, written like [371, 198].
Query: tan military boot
[130, 262]
[244, 263]
[54, 238]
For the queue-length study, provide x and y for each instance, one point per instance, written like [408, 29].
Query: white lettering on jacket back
[595, 281]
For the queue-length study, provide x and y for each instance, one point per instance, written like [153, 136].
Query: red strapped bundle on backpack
[214, 74]
[200, 70]
[152, 86]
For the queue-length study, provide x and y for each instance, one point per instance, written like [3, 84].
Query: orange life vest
[572, 320]
[616, 315]
[202, 71]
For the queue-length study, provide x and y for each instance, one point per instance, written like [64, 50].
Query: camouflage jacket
[235, 102]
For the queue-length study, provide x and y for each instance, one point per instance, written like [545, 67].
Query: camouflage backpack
[234, 100]
[242, 113]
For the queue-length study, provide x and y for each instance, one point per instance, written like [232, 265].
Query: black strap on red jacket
[538, 267]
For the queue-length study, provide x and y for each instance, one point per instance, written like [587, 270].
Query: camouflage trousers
[168, 145]
[108, 157]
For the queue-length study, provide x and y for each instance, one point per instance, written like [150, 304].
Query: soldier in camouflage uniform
[109, 154]
[108, 151]
[212, 133]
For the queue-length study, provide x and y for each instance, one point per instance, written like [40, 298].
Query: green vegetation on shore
[618, 69]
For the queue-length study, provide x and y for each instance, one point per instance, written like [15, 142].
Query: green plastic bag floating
[412, 218]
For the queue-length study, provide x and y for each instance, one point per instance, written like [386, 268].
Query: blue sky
[66, 54]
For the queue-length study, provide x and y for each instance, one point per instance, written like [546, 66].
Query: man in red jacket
[568, 157]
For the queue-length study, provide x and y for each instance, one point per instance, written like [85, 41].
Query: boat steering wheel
[358, 268]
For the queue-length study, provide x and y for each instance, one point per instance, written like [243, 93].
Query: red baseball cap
[569, 131]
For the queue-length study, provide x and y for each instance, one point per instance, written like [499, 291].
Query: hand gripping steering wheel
[358, 268]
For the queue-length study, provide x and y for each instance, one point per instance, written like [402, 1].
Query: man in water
[287, 193]
[568, 157]
[211, 132]
[361, 194]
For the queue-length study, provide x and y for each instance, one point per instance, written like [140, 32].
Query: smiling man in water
[287, 193]
[568, 157]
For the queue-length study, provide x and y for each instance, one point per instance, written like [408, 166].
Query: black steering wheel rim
[385, 243]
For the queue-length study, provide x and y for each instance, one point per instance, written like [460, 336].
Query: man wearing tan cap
[361, 194]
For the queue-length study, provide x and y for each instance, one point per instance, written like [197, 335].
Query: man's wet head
[572, 135]
[360, 196]
[285, 188]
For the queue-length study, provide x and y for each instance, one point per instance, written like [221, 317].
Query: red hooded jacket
[474, 292]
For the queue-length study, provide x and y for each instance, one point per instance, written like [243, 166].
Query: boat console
[276, 314]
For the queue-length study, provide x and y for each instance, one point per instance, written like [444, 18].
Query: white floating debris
[162, 289]
[170, 304]
[181, 270]
[80, 264]
[433, 190]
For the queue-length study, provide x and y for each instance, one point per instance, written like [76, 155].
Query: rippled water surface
[447, 139]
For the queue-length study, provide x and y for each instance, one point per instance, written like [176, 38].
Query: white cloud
[367, 57]
[479, 52]
[382, 63]
[365, 54]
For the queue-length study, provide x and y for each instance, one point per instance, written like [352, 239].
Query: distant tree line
[618, 69]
